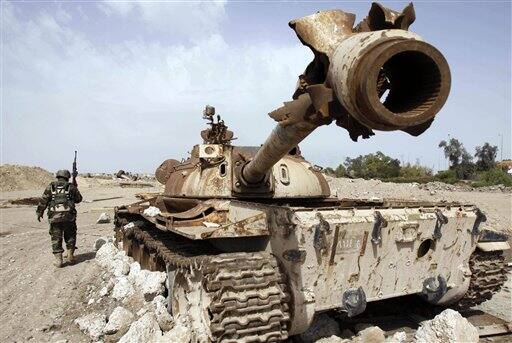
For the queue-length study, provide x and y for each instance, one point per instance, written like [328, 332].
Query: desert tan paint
[208, 182]
[390, 269]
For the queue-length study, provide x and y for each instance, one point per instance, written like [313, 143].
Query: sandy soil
[39, 302]
[15, 177]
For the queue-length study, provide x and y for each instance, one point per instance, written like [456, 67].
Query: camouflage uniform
[60, 198]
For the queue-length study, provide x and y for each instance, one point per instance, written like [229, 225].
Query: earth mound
[16, 177]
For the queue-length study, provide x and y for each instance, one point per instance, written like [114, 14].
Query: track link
[249, 298]
[489, 273]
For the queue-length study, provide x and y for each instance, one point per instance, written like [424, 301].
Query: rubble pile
[140, 313]
[121, 174]
[361, 188]
[441, 186]
[448, 326]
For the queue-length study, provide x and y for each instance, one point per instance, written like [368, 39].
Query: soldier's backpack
[61, 206]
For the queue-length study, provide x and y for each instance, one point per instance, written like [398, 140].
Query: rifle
[74, 174]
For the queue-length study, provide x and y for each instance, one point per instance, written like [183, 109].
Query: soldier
[60, 198]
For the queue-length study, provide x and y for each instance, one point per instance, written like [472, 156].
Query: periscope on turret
[254, 233]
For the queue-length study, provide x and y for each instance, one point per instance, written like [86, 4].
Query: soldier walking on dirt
[60, 198]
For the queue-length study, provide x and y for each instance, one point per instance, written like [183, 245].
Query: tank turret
[374, 76]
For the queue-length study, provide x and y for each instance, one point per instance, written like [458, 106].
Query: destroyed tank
[252, 241]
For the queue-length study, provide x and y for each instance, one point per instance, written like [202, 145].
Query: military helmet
[64, 174]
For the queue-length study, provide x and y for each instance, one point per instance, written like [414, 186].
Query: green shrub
[447, 176]
[492, 177]
[415, 171]
[372, 166]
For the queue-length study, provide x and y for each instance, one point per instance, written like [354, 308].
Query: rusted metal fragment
[252, 226]
[321, 96]
[324, 30]
[292, 112]
[382, 18]
[32, 201]
[164, 171]
[146, 195]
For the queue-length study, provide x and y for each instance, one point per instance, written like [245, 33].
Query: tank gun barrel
[374, 76]
[281, 140]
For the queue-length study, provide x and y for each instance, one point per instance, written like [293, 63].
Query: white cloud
[130, 105]
[190, 19]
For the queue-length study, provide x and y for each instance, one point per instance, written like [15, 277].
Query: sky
[125, 82]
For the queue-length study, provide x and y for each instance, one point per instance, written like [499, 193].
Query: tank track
[248, 292]
[489, 273]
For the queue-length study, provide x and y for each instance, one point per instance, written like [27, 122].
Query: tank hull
[329, 251]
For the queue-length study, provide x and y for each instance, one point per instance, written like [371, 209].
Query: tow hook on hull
[434, 289]
[354, 301]
[378, 225]
[441, 219]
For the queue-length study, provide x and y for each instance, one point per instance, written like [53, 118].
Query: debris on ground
[179, 333]
[373, 334]
[448, 326]
[105, 254]
[152, 211]
[119, 319]
[104, 218]
[135, 184]
[121, 174]
[102, 199]
[146, 195]
[100, 242]
[163, 317]
[30, 201]
[397, 337]
[150, 283]
[145, 329]
[370, 334]
[129, 226]
[92, 324]
[323, 326]
[120, 267]
[122, 288]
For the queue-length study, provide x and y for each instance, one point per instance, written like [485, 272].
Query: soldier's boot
[58, 260]
[71, 256]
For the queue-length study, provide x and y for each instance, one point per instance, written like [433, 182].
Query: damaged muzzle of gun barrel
[376, 75]
[382, 76]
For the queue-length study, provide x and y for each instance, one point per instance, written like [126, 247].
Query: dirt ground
[39, 302]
